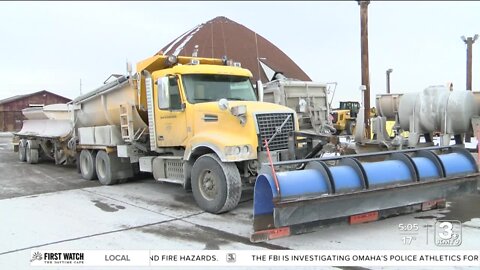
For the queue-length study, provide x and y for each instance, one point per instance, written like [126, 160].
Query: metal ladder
[126, 122]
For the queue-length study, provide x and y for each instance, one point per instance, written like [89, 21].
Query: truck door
[170, 116]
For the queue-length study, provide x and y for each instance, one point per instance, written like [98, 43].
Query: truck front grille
[268, 123]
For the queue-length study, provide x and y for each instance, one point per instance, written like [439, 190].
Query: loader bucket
[320, 193]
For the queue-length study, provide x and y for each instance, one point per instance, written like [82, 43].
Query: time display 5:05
[408, 227]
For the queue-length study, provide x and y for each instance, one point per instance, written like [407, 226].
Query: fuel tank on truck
[101, 106]
[437, 109]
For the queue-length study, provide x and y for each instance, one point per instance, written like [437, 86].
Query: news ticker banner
[257, 258]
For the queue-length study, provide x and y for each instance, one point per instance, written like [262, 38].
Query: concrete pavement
[44, 206]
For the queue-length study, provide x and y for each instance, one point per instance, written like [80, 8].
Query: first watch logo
[37, 256]
[59, 258]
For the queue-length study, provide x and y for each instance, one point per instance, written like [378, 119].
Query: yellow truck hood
[252, 107]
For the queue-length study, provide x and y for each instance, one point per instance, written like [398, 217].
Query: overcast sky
[52, 45]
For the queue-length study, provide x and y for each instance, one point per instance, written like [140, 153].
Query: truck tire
[104, 169]
[216, 185]
[31, 152]
[22, 150]
[32, 155]
[87, 164]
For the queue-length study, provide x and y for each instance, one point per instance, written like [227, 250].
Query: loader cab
[352, 106]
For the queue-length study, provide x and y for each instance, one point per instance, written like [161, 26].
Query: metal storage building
[223, 37]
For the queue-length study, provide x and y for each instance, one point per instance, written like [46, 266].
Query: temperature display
[409, 232]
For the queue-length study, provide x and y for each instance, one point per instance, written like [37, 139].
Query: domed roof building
[223, 37]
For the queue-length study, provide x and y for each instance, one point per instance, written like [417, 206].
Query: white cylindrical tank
[437, 109]
[405, 109]
[476, 96]
[461, 109]
[101, 107]
[387, 105]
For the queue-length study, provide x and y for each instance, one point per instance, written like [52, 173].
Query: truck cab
[207, 129]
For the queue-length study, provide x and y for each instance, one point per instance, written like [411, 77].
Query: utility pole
[80, 87]
[365, 70]
[469, 41]
[388, 79]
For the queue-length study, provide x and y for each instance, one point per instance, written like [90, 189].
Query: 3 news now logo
[448, 233]
[61, 258]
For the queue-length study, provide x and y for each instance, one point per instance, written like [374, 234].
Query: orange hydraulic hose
[273, 169]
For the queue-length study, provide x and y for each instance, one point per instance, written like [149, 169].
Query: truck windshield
[212, 87]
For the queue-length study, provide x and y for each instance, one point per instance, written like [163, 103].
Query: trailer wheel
[104, 168]
[31, 152]
[87, 164]
[216, 185]
[22, 151]
[32, 155]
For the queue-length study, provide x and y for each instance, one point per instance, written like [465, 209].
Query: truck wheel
[350, 127]
[22, 151]
[87, 164]
[216, 185]
[104, 169]
[31, 152]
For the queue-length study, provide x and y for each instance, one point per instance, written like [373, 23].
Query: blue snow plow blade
[320, 192]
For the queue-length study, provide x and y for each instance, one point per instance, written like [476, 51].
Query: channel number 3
[448, 230]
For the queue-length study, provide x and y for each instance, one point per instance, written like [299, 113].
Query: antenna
[258, 61]
[80, 86]
[129, 68]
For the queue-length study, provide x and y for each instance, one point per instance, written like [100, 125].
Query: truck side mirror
[260, 90]
[163, 93]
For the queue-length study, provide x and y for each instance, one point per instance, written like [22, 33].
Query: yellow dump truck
[188, 120]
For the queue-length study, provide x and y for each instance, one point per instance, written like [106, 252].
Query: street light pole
[388, 79]
[469, 41]
[365, 69]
